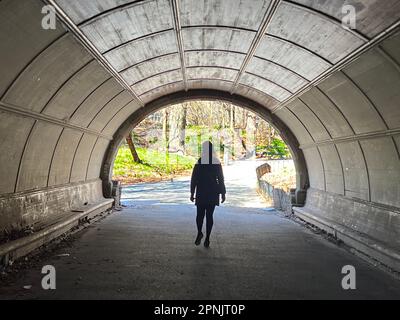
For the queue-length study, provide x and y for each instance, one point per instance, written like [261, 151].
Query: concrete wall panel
[120, 117]
[295, 58]
[373, 16]
[217, 39]
[146, 48]
[295, 126]
[155, 66]
[333, 169]
[81, 158]
[384, 170]
[157, 81]
[81, 10]
[385, 93]
[109, 110]
[266, 86]
[315, 168]
[309, 120]
[211, 73]
[122, 25]
[327, 112]
[162, 91]
[354, 105]
[42, 79]
[276, 73]
[392, 47]
[397, 141]
[246, 14]
[221, 85]
[21, 44]
[210, 58]
[314, 32]
[36, 159]
[96, 159]
[63, 156]
[210, 84]
[260, 97]
[355, 171]
[76, 91]
[14, 131]
[91, 106]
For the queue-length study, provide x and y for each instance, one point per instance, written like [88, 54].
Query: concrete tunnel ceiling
[65, 92]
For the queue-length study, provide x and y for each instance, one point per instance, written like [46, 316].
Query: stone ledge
[36, 209]
[20, 247]
[366, 245]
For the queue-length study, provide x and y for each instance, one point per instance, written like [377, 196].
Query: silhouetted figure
[208, 183]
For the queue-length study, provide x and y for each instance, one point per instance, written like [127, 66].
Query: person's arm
[193, 182]
[221, 182]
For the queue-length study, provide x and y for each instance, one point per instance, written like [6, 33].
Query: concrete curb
[363, 244]
[20, 247]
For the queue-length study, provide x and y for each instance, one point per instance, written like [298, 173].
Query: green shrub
[276, 150]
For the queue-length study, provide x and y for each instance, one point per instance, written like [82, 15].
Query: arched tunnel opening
[166, 145]
[79, 75]
[217, 135]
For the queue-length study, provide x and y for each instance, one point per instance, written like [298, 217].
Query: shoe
[206, 243]
[198, 238]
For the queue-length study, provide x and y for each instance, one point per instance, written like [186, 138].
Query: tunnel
[77, 75]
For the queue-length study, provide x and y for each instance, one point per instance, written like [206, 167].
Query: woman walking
[206, 185]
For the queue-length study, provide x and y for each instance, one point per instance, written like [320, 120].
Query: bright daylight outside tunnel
[200, 150]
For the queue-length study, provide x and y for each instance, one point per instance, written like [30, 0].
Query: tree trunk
[232, 127]
[177, 127]
[182, 133]
[269, 134]
[245, 116]
[232, 117]
[251, 127]
[131, 145]
[166, 134]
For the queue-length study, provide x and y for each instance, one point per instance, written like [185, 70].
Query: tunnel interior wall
[60, 111]
[348, 128]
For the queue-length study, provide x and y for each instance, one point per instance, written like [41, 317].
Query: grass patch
[155, 165]
[282, 178]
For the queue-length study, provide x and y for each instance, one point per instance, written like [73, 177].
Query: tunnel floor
[146, 251]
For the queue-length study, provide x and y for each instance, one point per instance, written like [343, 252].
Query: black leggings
[208, 212]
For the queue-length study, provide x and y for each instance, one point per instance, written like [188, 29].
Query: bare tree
[166, 134]
[131, 145]
[177, 128]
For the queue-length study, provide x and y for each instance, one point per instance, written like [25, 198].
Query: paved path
[146, 252]
[240, 185]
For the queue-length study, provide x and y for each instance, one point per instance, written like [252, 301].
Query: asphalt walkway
[146, 251]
